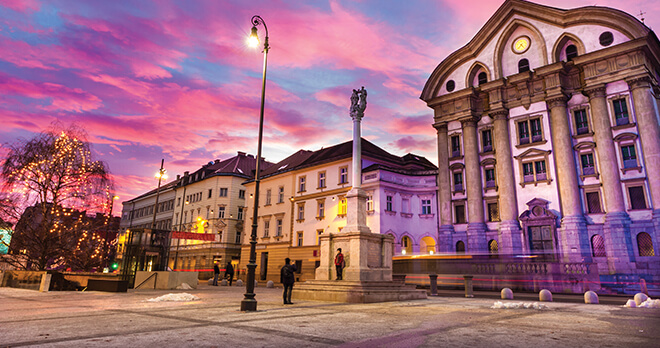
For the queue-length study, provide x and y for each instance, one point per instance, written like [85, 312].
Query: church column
[573, 239]
[476, 230]
[446, 229]
[617, 222]
[649, 134]
[510, 236]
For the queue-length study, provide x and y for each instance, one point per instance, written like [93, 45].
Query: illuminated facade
[549, 139]
[303, 196]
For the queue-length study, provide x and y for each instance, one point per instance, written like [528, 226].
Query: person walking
[216, 273]
[287, 278]
[229, 272]
[339, 264]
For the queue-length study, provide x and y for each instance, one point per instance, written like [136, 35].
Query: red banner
[196, 236]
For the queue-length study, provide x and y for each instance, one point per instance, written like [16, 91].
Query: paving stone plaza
[97, 319]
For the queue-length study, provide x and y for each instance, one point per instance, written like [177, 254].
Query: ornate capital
[639, 82]
[441, 127]
[501, 114]
[596, 92]
[469, 122]
[557, 101]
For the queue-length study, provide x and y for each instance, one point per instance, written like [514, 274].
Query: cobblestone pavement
[98, 319]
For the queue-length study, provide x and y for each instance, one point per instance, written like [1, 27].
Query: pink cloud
[21, 5]
[410, 144]
[60, 97]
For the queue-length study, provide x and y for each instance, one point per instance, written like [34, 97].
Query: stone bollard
[433, 278]
[545, 295]
[45, 282]
[239, 283]
[270, 284]
[210, 282]
[642, 286]
[590, 297]
[467, 279]
[224, 282]
[506, 294]
[640, 298]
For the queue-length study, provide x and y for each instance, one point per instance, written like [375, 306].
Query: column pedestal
[574, 240]
[618, 244]
[446, 239]
[510, 236]
[476, 234]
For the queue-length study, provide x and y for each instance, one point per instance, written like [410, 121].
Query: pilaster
[476, 228]
[445, 241]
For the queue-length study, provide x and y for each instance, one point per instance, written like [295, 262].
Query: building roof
[304, 159]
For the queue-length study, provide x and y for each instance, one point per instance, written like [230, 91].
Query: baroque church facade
[549, 139]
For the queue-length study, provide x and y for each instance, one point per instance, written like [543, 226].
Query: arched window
[645, 244]
[571, 52]
[406, 245]
[493, 248]
[427, 245]
[523, 65]
[460, 247]
[598, 246]
[482, 78]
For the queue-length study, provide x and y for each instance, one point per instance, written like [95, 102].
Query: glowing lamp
[253, 40]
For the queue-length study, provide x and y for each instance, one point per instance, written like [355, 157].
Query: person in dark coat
[339, 264]
[216, 273]
[229, 272]
[287, 278]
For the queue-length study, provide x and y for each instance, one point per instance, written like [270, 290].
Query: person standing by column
[339, 264]
[229, 272]
[216, 273]
[287, 278]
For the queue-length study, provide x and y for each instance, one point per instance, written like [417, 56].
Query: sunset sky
[176, 80]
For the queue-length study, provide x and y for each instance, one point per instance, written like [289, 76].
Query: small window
[321, 179]
[320, 209]
[389, 206]
[620, 111]
[210, 193]
[645, 244]
[451, 85]
[629, 156]
[343, 175]
[240, 214]
[241, 194]
[637, 199]
[341, 210]
[460, 247]
[537, 133]
[458, 181]
[571, 52]
[587, 161]
[223, 192]
[426, 206]
[489, 173]
[482, 78]
[459, 213]
[493, 212]
[280, 194]
[266, 228]
[301, 212]
[487, 140]
[523, 133]
[523, 65]
[455, 146]
[370, 202]
[268, 194]
[606, 38]
[300, 239]
[493, 247]
[593, 203]
[302, 184]
[598, 246]
[279, 228]
[581, 122]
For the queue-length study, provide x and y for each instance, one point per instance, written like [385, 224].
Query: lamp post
[161, 174]
[249, 303]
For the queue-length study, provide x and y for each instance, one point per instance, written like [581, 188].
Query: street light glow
[253, 40]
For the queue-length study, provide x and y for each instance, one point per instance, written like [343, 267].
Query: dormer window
[571, 52]
[482, 78]
[523, 65]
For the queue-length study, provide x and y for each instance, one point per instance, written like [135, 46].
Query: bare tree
[52, 181]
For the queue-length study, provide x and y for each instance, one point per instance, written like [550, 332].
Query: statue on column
[358, 102]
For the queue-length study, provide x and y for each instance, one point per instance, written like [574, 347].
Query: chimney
[217, 161]
[178, 176]
[241, 153]
[186, 174]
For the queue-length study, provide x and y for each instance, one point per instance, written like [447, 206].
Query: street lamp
[249, 303]
[161, 174]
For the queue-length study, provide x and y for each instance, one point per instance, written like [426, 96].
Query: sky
[175, 80]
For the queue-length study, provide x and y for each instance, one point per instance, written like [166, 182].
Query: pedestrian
[216, 274]
[229, 272]
[287, 278]
[339, 264]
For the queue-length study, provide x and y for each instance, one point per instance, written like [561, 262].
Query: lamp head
[253, 40]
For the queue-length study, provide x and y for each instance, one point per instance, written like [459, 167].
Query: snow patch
[184, 286]
[649, 303]
[519, 305]
[182, 297]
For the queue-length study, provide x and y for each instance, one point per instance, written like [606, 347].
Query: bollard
[434, 284]
[224, 282]
[642, 286]
[590, 297]
[239, 282]
[506, 294]
[468, 285]
[270, 284]
[640, 298]
[545, 295]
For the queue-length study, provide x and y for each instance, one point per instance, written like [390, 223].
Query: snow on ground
[182, 297]
[649, 303]
[184, 286]
[517, 305]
